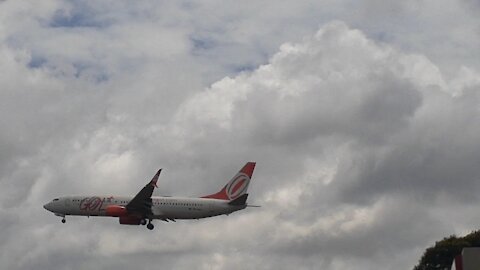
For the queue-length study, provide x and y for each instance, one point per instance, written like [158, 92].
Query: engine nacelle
[116, 211]
[129, 220]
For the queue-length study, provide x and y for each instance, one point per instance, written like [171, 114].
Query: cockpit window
[55, 199]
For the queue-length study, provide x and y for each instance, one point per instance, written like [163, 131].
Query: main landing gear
[149, 224]
[64, 220]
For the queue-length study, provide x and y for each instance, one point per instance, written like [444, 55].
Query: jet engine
[116, 211]
[129, 220]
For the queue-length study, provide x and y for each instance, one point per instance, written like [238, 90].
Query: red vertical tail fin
[237, 186]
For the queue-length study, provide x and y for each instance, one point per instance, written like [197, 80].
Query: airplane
[143, 208]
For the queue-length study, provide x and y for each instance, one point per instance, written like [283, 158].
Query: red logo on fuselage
[92, 204]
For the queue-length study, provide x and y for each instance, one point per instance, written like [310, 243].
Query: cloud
[392, 116]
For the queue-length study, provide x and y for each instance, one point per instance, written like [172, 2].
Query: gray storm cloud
[378, 113]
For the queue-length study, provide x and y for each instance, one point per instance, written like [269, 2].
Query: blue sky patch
[37, 62]
[78, 16]
[203, 44]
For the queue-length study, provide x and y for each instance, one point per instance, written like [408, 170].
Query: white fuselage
[162, 207]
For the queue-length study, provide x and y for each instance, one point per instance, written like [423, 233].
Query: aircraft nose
[47, 206]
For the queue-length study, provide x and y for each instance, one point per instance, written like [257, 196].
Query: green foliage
[441, 255]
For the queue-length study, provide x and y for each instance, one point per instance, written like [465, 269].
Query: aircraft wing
[142, 202]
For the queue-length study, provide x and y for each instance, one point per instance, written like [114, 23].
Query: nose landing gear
[150, 225]
[63, 217]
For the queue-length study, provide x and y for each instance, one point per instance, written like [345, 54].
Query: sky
[363, 118]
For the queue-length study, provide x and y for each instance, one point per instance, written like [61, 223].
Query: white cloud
[334, 89]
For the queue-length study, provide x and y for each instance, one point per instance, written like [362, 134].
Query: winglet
[154, 180]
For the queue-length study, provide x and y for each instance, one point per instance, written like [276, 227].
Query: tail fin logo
[237, 186]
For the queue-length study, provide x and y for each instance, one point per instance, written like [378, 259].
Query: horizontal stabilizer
[240, 200]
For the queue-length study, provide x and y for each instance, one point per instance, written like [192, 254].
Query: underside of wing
[141, 204]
